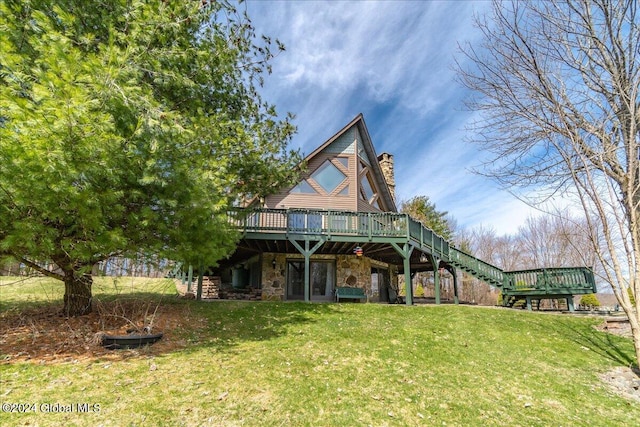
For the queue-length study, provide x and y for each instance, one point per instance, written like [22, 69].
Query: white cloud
[393, 62]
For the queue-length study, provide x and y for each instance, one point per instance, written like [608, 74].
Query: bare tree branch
[558, 86]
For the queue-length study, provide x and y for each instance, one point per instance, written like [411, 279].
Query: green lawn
[296, 364]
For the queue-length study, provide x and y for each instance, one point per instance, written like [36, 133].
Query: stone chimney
[386, 164]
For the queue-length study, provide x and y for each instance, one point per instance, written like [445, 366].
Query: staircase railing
[482, 270]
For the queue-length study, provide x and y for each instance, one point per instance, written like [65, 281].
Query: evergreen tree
[423, 210]
[130, 126]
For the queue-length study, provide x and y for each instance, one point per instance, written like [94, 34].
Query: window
[322, 279]
[366, 187]
[304, 188]
[328, 176]
[344, 191]
[344, 161]
[303, 222]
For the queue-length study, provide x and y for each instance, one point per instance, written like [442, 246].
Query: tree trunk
[77, 295]
[635, 332]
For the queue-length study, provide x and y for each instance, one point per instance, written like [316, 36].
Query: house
[346, 183]
[339, 227]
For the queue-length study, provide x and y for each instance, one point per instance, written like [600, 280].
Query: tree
[130, 127]
[420, 208]
[558, 86]
[483, 242]
[558, 239]
[590, 301]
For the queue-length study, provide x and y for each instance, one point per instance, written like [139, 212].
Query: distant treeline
[142, 266]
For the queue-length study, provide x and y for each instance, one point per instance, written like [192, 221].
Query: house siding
[345, 144]
[366, 207]
[321, 200]
[349, 144]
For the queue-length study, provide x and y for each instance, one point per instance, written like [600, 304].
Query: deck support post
[436, 283]
[307, 272]
[307, 251]
[452, 270]
[405, 252]
[570, 303]
[408, 281]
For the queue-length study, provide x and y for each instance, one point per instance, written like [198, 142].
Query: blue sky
[393, 62]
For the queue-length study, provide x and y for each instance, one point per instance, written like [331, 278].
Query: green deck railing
[372, 226]
[551, 280]
[480, 269]
[312, 221]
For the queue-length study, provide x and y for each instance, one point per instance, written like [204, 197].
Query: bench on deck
[349, 293]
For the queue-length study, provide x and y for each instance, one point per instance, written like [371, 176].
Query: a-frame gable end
[345, 144]
[367, 153]
[332, 178]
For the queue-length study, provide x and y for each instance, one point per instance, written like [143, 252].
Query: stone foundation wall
[354, 271]
[351, 271]
[274, 279]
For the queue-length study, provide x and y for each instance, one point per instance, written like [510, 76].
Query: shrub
[419, 291]
[590, 301]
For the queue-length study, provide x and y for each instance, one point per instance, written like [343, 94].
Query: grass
[26, 292]
[268, 363]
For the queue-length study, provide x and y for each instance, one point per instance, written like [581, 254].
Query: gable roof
[370, 151]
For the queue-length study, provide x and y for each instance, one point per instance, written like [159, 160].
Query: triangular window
[303, 188]
[367, 188]
[361, 151]
[344, 191]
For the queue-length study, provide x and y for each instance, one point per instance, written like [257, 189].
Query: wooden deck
[308, 229]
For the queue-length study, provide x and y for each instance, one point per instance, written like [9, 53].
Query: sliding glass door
[295, 280]
[322, 277]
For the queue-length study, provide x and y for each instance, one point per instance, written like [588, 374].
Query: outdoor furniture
[394, 297]
[350, 293]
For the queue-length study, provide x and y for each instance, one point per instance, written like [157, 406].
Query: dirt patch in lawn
[616, 326]
[623, 381]
[43, 335]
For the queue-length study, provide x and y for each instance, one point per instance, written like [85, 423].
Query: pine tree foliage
[422, 209]
[131, 126]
